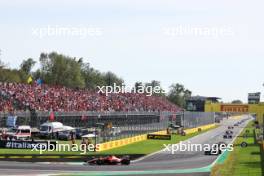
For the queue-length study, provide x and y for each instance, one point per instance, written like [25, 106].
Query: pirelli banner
[234, 108]
[159, 137]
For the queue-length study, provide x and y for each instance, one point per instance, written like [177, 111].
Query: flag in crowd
[84, 118]
[29, 80]
[52, 116]
[39, 82]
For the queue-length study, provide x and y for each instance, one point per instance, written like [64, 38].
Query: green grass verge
[142, 147]
[147, 146]
[150, 146]
[242, 161]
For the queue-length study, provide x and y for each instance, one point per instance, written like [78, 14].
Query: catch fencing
[115, 125]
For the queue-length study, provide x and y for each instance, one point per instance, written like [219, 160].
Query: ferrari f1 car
[109, 160]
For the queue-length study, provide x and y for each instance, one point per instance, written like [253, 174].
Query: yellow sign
[257, 109]
[234, 108]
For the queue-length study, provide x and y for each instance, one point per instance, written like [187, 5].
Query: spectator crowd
[58, 98]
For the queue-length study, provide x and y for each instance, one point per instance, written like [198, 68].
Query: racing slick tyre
[125, 162]
[99, 162]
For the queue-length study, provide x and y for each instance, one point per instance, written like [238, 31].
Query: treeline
[58, 69]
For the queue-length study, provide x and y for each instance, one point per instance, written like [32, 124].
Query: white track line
[232, 142]
[162, 150]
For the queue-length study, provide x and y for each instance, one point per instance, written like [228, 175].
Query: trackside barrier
[200, 128]
[126, 141]
[237, 117]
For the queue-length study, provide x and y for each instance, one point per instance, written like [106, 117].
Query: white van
[23, 132]
[53, 128]
[49, 128]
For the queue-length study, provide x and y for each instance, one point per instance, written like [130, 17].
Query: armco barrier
[121, 142]
[126, 141]
[204, 127]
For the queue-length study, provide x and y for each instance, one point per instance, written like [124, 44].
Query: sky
[214, 48]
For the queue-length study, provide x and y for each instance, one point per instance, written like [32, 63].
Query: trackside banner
[159, 137]
[26, 144]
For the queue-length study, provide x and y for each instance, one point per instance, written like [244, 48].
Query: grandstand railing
[81, 113]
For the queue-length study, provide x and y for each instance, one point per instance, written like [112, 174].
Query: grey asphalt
[162, 160]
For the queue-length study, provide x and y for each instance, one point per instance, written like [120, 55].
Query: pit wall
[122, 142]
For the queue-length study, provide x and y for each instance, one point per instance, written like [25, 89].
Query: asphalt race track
[160, 163]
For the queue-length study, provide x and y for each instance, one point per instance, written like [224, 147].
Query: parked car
[8, 133]
[67, 134]
[81, 132]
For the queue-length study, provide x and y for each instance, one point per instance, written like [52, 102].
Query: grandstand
[19, 96]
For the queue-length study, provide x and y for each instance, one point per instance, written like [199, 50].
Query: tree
[138, 86]
[111, 78]
[27, 65]
[61, 70]
[2, 65]
[178, 94]
[9, 75]
[92, 77]
[58, 69]
[153, 84]
[237, 102]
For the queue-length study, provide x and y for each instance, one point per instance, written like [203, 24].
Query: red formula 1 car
[109, 160]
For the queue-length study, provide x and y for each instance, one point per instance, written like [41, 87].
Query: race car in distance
[230, 127]
[237, 124]
[216, 149]
[229, 132]
[109, 160]
[227, 136]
